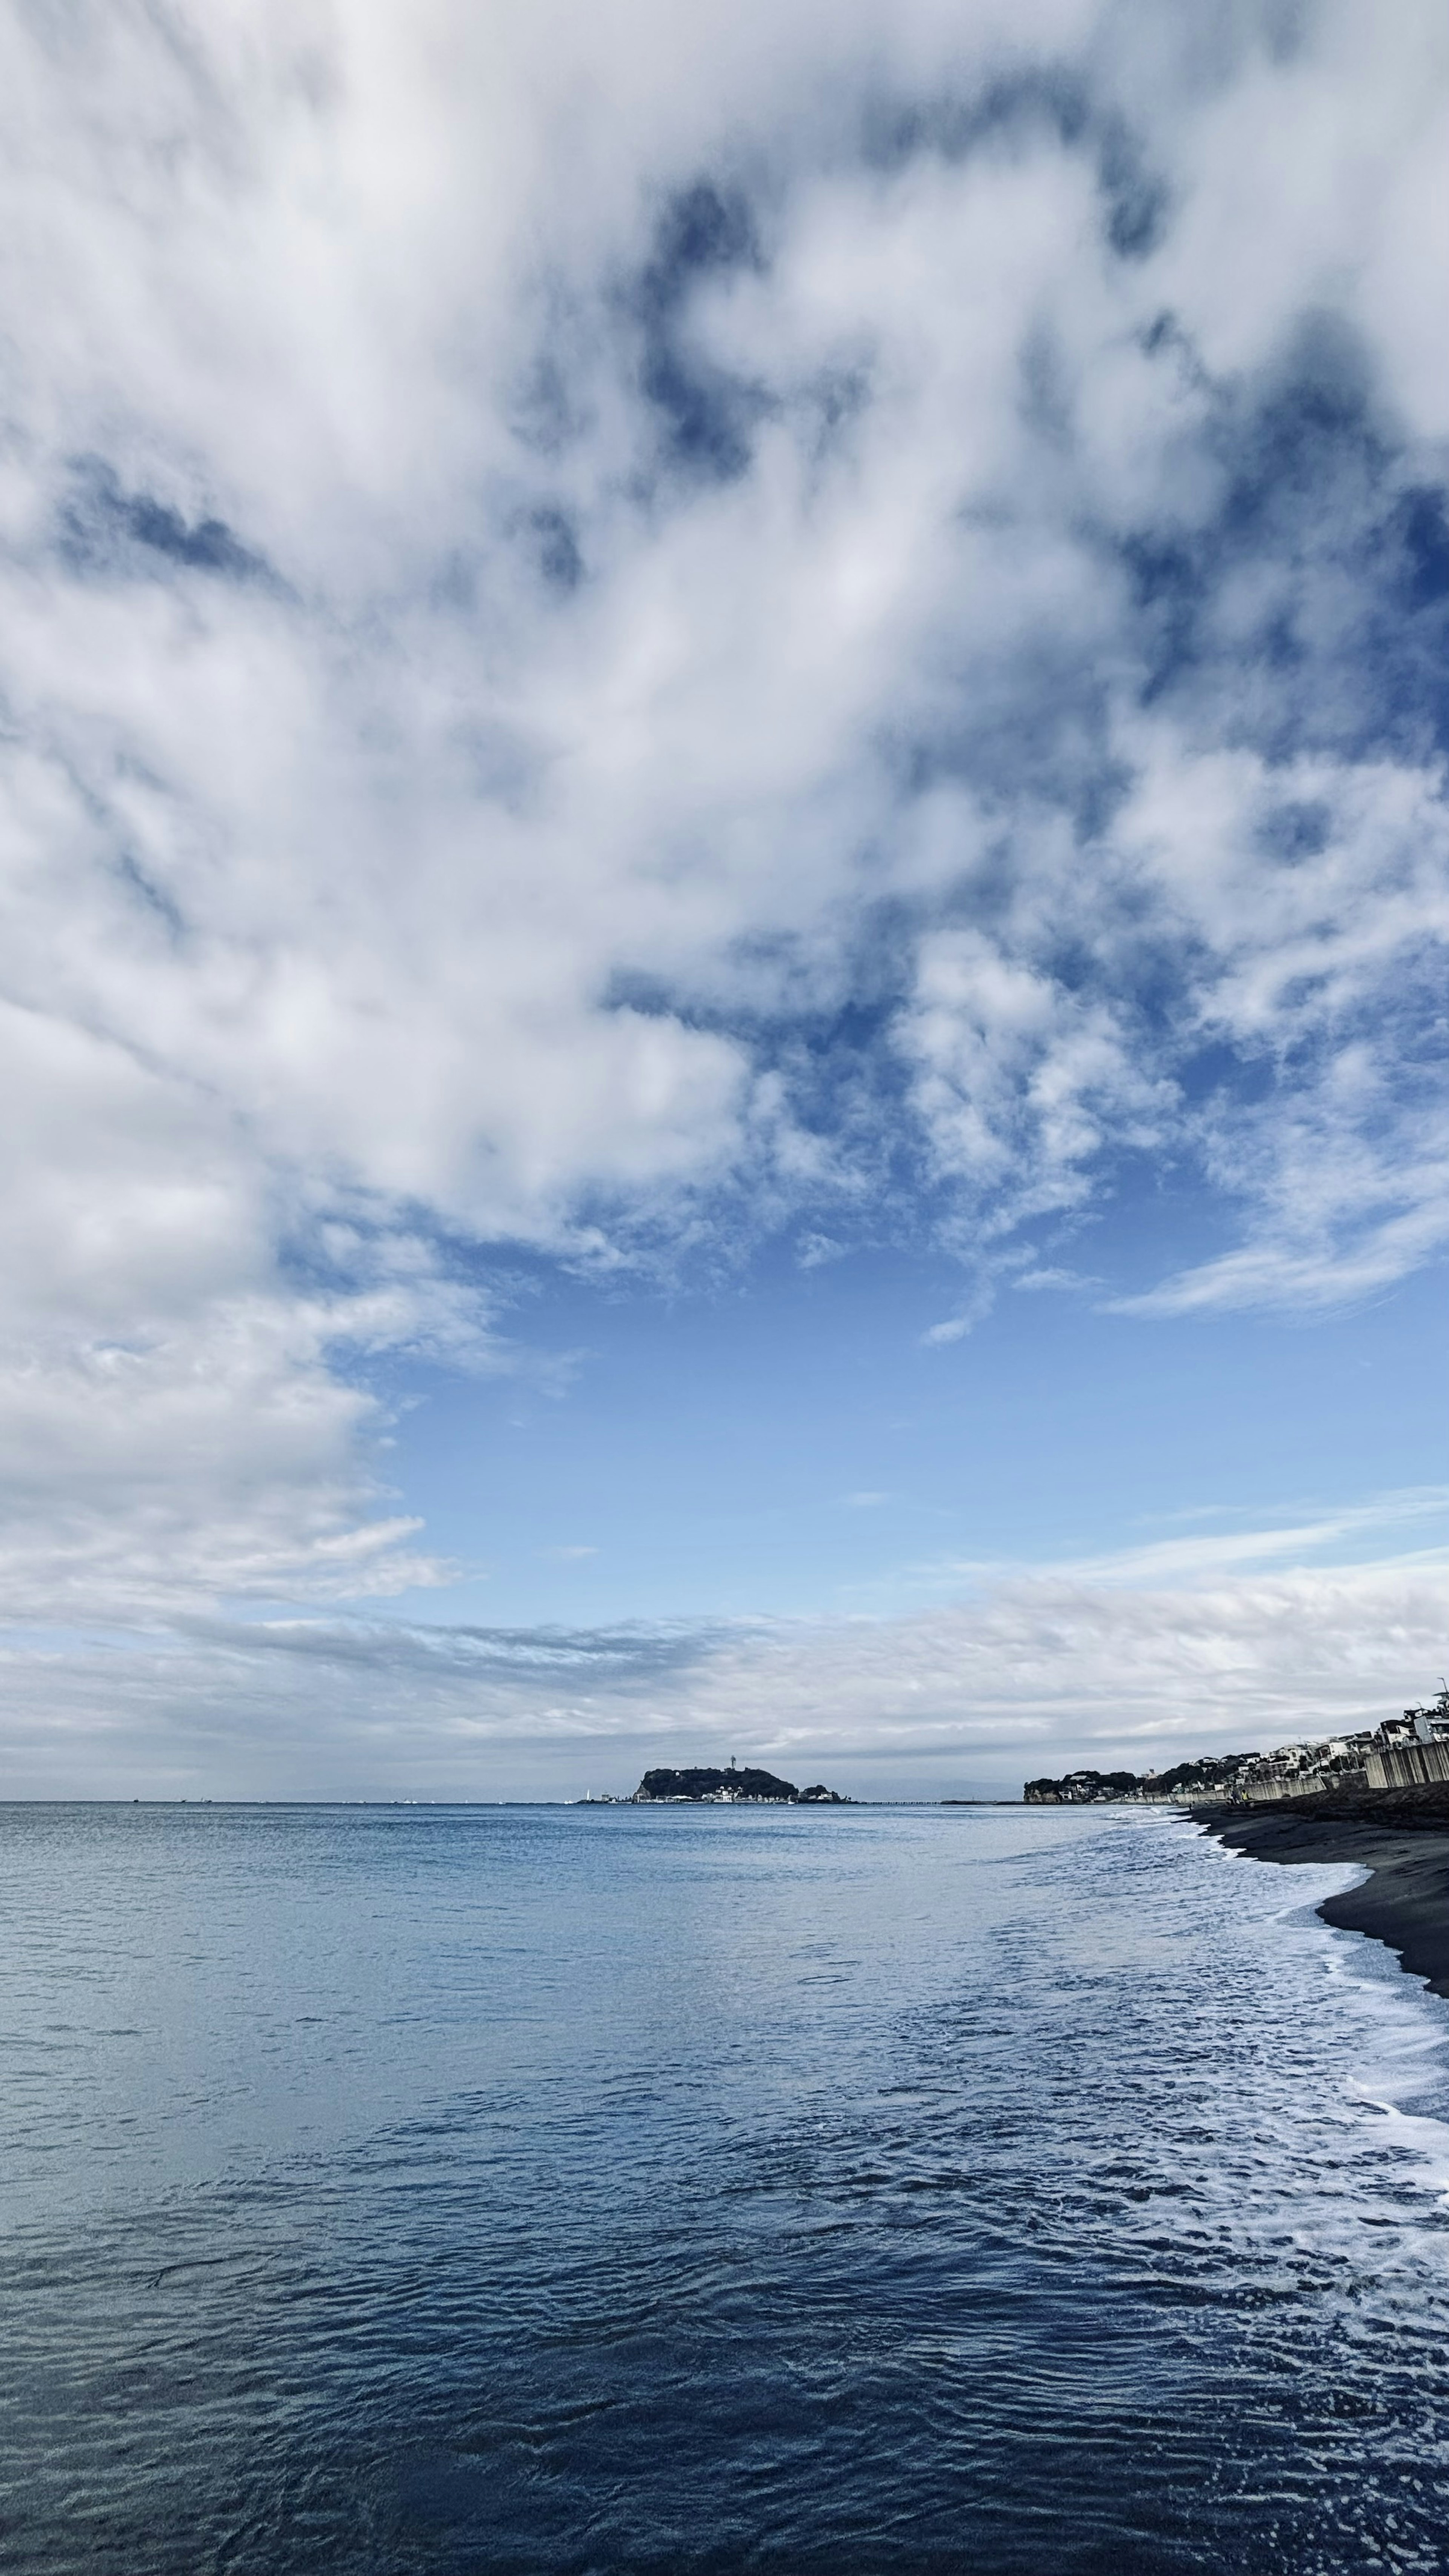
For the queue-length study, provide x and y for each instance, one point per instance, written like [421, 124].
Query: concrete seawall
[1408, 1766]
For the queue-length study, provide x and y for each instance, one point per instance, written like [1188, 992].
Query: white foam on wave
[1406, 2032]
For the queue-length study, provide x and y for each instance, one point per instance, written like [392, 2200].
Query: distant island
[731, 1788]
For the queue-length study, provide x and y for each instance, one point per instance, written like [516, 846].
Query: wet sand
[1402, 1835]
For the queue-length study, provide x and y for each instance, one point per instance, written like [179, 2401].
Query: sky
[726, 889]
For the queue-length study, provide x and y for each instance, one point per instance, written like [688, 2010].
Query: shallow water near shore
[402, 2190]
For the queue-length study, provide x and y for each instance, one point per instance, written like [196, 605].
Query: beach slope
[1401, 1835]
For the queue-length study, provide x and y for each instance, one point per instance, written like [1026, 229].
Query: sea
[691, 2191]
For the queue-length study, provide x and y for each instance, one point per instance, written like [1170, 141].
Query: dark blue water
[412, 2189]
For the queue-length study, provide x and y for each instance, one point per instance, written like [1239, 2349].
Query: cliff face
[723, 1787]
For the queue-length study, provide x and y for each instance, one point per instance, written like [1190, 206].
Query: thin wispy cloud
[1208, 1554]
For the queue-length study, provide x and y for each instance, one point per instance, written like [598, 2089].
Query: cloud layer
[619, 632]
[1235, 1642]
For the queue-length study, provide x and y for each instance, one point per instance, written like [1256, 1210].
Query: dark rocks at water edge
[732, 1788]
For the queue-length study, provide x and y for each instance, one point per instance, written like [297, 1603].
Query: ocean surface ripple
[398, 2190]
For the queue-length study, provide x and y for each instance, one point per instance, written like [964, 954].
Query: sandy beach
[1401, 1835]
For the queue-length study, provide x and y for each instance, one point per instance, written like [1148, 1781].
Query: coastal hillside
[1409, 1752]
[1208, 1778]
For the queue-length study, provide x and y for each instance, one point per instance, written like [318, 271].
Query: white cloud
[1020, 1084]
[1054, 1276]
[474, 696]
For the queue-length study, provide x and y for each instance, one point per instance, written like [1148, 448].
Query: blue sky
[726, 888]
[794, 1445]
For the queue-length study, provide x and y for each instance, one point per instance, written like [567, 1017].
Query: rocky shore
[1400, 1835]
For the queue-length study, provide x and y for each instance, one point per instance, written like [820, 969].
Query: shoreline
[1400, 1835]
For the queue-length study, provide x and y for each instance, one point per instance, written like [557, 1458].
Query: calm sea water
[400, 2190]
